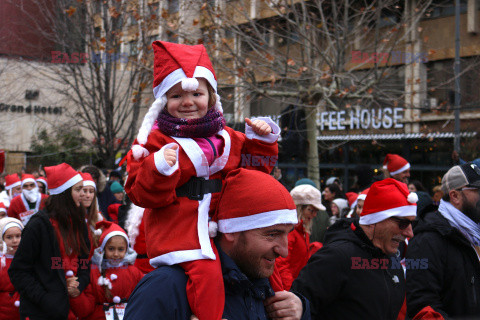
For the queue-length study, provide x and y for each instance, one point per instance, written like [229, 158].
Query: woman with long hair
[51, 263]
[90, 203]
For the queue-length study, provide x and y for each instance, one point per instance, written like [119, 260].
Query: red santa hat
[174, 63]
[252, 199]
[12, 181]
[110, 229]
[395, 164]
[61, 177]
[363, 194]
[88, 180]
[2, 207]
[44, 181]
[351, 197]
[388, 198]
[28, 178]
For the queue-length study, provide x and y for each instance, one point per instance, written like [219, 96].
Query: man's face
[402, 176]
[388, 234]
[255, 251]
[471, 203]
[28, 185]
[16, 190]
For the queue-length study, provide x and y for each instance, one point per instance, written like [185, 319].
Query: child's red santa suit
[9, 298]
[177, 212]
[19, 208]
[120, 278]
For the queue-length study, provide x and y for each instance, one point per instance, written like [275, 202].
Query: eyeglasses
[402, 223]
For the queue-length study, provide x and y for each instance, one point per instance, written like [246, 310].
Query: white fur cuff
[160, 162]
[270, 138]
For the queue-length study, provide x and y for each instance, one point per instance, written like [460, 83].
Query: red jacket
[8, 295]
[19, 208]
[177, 228]
[89, 304]
[298, 244]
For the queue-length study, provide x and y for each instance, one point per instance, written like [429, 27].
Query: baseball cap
[465, 175]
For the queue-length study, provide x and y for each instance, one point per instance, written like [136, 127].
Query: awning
[394, 136]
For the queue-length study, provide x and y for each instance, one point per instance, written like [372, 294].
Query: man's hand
[171, 155]
[260, 127]
[284, 305]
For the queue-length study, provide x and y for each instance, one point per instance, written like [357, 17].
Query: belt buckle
[196, 191]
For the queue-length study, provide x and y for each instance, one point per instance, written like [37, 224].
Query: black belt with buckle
[196, 187]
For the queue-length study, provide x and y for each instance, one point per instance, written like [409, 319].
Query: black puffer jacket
[451, 282]
[349, 278]
[42, 286]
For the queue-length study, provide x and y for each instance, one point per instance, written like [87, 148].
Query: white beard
[31, 195]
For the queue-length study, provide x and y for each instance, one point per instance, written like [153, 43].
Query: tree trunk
[312, 152]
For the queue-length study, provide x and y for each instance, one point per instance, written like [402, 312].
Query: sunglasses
[402, 223]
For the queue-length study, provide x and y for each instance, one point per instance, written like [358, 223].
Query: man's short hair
[465, 175]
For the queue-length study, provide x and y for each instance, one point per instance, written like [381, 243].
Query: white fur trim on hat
[405, 167]
[178, 75]
[71, 182]
[362, 196]
[89, 183]
[28, 180]
[11, 225]
[113, 234]
[259, 220]
[405, 211]
[13, 185]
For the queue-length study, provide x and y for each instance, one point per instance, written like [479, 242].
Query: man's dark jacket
[34, 274]
[350, 278]
[451, 283]
[161, 294]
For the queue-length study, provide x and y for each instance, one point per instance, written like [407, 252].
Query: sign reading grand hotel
[357, 118]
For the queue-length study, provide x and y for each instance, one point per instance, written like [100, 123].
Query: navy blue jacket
[161, 294]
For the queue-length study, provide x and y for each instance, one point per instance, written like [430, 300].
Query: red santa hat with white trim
[109, 230]
[395, 164]
[2, 207]
[12, 181]
[88, 180]
[28, 178]
[61, 177]
[251, 199]
[388, 198]
[174, 63]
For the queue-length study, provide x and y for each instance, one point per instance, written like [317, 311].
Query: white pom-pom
[17, 303]
[69, 273]
[412, 197]
[212, 229]
[108, 284]
[98, 232]
[190, 84]
[139, 152]
[116, 299]
[113, 277]
[101, 281]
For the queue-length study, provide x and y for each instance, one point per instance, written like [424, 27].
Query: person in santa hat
[182, 152]
[253, 221]
[308, 202]
[112, 277]
[357, 274]
[3, 210]
[90, 203]
[51, 264]
[11, 232]
[42, 185]
[13, 188]
[397, 167]
[25, 205]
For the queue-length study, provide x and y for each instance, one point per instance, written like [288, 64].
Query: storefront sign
[30, 109]
[385, 118]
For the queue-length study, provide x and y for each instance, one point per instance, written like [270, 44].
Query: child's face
[12, 239]
[118, 196]
[115, 249]
[360, 206]
[188, 105]
[88, 195]
[335, 209]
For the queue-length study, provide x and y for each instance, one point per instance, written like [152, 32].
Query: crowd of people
[201, 227]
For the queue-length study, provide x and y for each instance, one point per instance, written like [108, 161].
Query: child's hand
[260, 127]
[171, 155]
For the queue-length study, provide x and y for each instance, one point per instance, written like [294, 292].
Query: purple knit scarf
[203, 127]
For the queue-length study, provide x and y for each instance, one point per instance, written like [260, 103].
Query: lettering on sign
[385, 118]
[30, 109]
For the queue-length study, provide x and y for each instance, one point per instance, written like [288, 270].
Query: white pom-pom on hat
[412, 197]
[212, 229]
[116, 299]
[98, 232]
[113, 277]
[69, 273]
[190, 84]
[17, 303]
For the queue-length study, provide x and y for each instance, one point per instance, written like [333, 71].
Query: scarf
[461, 222]
[203, 127]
